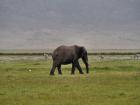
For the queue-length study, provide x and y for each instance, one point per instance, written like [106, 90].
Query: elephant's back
[63, 50]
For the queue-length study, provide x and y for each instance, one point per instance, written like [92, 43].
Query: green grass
[115, 82]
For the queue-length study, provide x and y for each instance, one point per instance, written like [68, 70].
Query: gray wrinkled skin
[69, 55]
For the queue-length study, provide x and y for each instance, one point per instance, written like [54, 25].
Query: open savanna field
[110, 82]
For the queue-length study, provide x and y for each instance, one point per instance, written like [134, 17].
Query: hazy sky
[42, 24]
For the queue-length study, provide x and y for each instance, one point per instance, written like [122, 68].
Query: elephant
[63, 55]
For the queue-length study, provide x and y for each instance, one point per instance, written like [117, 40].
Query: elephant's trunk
[87, 67]
[86, 64]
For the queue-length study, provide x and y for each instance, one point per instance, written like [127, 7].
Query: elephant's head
[84, 57]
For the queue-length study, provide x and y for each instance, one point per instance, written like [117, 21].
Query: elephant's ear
[83, 51]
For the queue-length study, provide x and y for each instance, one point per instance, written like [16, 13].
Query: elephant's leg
[59, 69]
[73, 69]
[79, 67]
[53, 69]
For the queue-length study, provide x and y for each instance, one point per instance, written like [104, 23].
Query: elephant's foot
[51, 73]
[72, 73]
[60, 73]
[81, 73]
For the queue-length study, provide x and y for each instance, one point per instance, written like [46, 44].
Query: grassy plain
[110, 82]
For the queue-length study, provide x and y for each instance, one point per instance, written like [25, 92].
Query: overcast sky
[95, 24]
